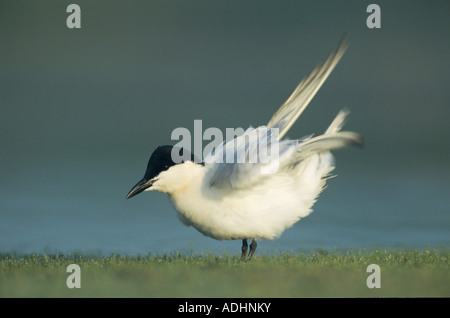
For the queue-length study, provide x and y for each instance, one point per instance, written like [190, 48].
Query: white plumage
[229, 201]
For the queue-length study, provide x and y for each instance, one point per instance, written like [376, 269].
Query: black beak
[139, 187]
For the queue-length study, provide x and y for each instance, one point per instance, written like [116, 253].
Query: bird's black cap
[160, 160]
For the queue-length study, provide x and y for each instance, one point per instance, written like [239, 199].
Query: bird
[240, 200]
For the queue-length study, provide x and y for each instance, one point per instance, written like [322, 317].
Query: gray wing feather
[299, 99]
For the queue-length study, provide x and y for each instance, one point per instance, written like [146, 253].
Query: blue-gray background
[82, 110]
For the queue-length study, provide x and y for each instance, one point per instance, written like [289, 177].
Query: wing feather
[299, 99]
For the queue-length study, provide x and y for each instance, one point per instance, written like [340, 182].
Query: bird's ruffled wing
[258, 154]
[250, 157]
[237, 170]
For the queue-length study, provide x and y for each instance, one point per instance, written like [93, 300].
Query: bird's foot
[244, 248]
[253, 246]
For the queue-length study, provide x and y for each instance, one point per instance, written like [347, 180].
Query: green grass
[320, 274]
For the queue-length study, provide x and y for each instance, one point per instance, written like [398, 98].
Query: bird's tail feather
[338, 122]
[332, 139]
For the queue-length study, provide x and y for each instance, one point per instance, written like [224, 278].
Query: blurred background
[83, 109]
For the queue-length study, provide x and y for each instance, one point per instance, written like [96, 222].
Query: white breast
[263, 211]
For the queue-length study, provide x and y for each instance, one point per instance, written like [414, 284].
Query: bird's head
[163, 173]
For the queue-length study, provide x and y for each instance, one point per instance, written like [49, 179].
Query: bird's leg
[252, 248]
[244, 248]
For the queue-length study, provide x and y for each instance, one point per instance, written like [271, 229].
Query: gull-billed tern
[229, 201]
